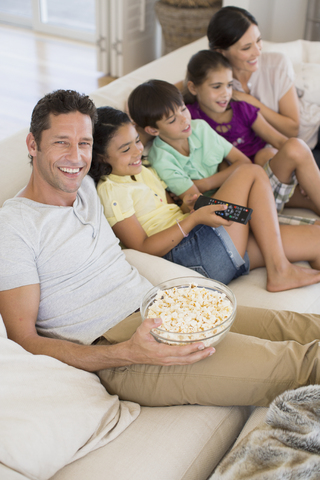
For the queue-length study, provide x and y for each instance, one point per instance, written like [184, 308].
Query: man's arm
[19, 310]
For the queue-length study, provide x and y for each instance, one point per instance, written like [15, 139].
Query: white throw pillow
[294, 50]
[311, 51]
[307, 77]
[52, 414]
[305, 57]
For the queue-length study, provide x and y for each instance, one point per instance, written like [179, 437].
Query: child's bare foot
[293, 276]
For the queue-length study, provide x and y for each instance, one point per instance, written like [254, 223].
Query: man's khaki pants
[265, 353]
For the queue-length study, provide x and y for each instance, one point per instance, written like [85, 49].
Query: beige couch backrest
[171, 68]
[14, 165]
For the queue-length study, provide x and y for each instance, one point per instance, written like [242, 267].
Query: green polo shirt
[207, 150]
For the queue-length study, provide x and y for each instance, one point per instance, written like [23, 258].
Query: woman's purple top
[238, 131]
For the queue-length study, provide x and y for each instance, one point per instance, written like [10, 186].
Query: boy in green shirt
[187, 154]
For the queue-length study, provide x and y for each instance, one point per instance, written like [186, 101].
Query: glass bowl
[209, 337]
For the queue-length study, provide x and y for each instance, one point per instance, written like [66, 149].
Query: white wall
[279, 20]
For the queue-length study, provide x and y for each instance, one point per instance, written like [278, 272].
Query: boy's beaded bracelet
[181, 229]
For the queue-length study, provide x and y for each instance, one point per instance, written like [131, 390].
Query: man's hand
[144, 349]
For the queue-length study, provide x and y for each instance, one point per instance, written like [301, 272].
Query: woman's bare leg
[296, 156]
[249, 186]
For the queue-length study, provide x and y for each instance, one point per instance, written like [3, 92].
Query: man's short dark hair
[57, 103]
[151, 101]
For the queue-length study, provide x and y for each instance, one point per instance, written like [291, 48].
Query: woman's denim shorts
[211, 252]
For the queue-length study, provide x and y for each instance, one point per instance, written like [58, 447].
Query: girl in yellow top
[144, 217]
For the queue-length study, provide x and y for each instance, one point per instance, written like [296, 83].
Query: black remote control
[234, 212]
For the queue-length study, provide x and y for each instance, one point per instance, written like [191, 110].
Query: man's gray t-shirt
[86, 284]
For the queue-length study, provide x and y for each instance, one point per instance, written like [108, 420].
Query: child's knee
[252, 171]
[297, 150]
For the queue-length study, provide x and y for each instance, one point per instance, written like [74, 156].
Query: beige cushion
[52, 414]
[7, 473]
[256, 418]
[14, 165]
[164, 443]
[157, 269]
[250, 290]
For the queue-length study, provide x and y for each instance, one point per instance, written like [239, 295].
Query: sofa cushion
[294, 50]
[7, 473]
[51, 413]
[311, 51]
[14, 165]
[256, 419]
[250, 290]
[157, 269]
[307, 79]
[164, 443]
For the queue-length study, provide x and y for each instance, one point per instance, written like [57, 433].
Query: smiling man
[60, 146]
[64, 281]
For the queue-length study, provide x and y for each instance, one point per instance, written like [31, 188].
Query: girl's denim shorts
[211, 252]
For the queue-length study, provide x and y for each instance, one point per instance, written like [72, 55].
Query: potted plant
[184, 21]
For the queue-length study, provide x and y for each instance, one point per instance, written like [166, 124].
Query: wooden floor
[32, 65]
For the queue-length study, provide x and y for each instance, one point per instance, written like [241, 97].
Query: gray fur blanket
[285, 447]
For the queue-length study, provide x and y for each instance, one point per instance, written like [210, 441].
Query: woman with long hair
[264, 80]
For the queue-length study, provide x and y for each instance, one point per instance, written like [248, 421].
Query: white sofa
[42, 431]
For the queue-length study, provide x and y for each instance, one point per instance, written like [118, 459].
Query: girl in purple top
[240, 131]
[288, 162]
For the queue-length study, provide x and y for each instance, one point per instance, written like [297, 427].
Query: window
[68, 18]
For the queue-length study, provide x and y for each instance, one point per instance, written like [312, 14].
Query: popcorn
[190, 310]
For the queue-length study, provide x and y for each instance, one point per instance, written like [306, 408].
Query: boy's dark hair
[59, 102]
[151, 101]
[227, 26]
[108, 123]
[199, 66]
